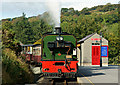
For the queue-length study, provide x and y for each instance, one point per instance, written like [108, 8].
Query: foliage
[23, 28]
[102, 18]
[8, 38]
[15, 71]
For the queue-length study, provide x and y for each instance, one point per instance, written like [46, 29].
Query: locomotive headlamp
[59, 38]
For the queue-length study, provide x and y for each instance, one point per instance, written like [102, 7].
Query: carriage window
[36, 51]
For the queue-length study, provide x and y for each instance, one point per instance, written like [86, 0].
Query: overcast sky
[15, 8]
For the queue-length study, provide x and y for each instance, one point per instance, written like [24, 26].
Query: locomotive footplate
[58, 75]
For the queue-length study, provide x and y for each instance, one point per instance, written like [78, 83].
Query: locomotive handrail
[66, 64]
[68, 49]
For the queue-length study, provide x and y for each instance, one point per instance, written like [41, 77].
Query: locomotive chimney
[58, 30]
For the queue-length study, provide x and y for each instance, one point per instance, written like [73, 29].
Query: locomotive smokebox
[58, 30]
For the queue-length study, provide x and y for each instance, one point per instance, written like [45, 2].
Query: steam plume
[54, 10]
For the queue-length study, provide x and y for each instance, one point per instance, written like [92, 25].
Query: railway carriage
[32, 53]
[59, 57]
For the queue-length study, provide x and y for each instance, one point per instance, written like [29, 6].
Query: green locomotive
[59, 57]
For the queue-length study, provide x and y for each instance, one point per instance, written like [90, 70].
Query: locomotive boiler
[59, 57]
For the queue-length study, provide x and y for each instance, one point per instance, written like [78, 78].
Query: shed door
[95, 55]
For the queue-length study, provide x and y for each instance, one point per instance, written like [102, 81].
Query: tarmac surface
[90, 76]
[99, 75]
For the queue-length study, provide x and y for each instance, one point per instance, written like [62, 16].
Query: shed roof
[38, 41]
[83, 39]
[30, 45]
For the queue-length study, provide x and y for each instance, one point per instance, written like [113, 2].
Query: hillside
[102, 18]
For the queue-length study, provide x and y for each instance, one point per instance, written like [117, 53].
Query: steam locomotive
[59, 56]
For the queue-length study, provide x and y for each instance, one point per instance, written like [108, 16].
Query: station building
[89, 50]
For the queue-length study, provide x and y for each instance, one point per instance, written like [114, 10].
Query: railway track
[44, 81]
[39, 79]
[59, 82]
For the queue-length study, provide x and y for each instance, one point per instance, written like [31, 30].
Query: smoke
[53, 7]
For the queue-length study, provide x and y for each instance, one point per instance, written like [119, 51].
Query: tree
[8, 38]
[23, 30]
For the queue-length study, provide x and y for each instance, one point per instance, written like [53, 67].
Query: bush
[15, 71]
